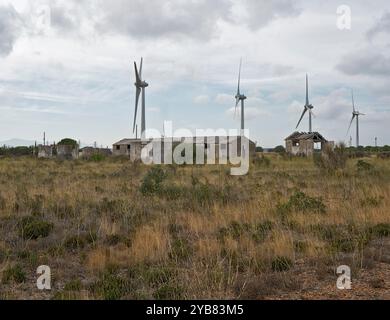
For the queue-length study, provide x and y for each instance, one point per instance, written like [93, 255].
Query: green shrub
[111, 286]
[371, 202]
[79, 241]
[97, 157]
[299, 201]
[262, 162]
[344, 238]
[235, 230]
[113, 240]
[158, 275]
[68, 142]
[281, 264]
[14, 274]
[32, 228]
[331, 159]
[380, 230]
[180, 246]
[73, 285]
[261, 230]
[280, 149]
[168, 292]
[363, 166]
[152, 182]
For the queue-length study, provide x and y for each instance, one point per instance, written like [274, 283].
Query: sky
[66, 67]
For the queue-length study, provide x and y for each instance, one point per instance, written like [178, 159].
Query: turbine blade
[137, 78]
[353, 102]
[300, 120]
[307, 90]
[136, 107]
[239, 79]
[140, 68]
[350, 125]
[313, 114]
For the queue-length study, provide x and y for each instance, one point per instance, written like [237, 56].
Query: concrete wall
[88, 152]
[133, 153]
[306, 147]
[45, 151]
[67, 152]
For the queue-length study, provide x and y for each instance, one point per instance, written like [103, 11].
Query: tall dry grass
[201, 233]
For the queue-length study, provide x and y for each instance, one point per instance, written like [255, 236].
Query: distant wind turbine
[240, 97]
[355, 114]
[140, 87]
[307, 107]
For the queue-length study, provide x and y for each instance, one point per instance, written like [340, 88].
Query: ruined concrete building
[88, 152]
[303, 143]
[219, 146]
[45, 151]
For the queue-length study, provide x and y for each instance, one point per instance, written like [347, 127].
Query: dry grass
[200, 234]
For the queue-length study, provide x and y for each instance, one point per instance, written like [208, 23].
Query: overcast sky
[72, 75]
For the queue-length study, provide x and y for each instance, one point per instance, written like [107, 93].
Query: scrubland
[111, 229]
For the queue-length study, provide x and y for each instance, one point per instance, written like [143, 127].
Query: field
[111, 229]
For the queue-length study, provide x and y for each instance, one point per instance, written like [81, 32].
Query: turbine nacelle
[241, 97]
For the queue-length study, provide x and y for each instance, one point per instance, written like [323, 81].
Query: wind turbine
[355, 114]
[140, 87]
[307, 107]
[242, 98]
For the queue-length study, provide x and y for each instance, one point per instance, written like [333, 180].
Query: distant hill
[17, 143]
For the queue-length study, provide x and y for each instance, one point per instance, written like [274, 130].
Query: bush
[14, 274]
[32, 228]
[152, 182]
[344, 238]
[168, 292]
[257, 232]
[331, 159]
[111, 286]
[68, 142]
[262, 161]
[299, 201]
[281, 264]
[380, 230]
[363, 166]
[80, 241]
[97, 157]
[280, 149]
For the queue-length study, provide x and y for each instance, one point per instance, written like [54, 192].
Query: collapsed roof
[299, 136]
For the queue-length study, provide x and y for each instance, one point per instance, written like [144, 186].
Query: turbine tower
[355, 114]
[140, 88]
[242, 98]
[307, 107]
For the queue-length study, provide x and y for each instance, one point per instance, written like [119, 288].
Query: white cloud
[201, 99]
[224, 99]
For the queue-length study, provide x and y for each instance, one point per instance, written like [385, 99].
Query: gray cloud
[365, 62]
[155, 18]
[260, 13]
[10, 28]
[382, 26]
[172, 18]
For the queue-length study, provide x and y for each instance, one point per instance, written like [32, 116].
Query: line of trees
[16, 151]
